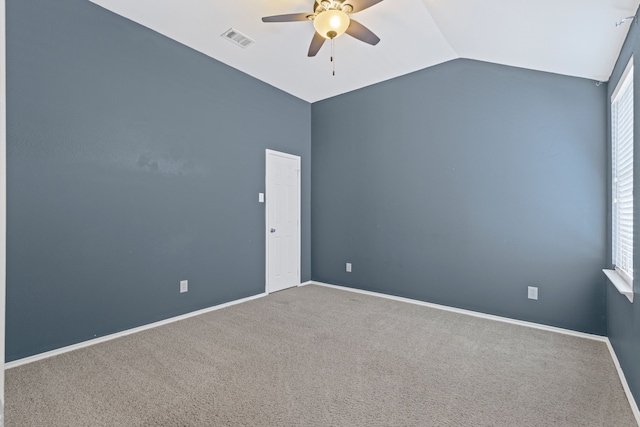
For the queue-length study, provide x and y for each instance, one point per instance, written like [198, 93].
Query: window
[622, 169]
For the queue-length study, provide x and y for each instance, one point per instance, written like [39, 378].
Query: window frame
[625, 84]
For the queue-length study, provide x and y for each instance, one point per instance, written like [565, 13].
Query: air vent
[237, 37]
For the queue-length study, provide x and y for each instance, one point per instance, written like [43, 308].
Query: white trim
[99, 340]
[623, 82]
[621, 285]
[625, 385]
[309, 282]
[469, 312]
[266, 211]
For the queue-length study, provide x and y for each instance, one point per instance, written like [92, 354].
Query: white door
[282, 220]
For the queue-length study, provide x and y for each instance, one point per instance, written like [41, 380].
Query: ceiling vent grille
[237, 37]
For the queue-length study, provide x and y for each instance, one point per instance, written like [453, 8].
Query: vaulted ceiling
[571, 37]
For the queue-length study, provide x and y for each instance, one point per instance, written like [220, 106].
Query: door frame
[268, 153]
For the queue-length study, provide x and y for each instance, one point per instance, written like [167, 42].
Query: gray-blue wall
[133, 162]
[463, 184]
[623, 318]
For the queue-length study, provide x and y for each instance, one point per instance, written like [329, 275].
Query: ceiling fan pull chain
[333, 63]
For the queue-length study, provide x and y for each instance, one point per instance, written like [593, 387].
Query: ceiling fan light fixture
[331, 23]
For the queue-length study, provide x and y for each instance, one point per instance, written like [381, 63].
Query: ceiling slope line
[444, 37]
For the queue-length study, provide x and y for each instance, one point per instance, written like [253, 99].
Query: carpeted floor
[315, 356]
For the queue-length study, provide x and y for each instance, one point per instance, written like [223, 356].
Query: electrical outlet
[184, 286]
[532, 292]
[348, 267]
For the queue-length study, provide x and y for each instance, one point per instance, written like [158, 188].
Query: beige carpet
[315, 356]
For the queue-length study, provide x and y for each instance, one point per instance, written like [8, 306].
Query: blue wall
[133, 162]
[463, 184]
[623, 318]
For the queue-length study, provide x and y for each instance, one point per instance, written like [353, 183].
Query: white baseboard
[625, 385]
[623, 379]
[94, 341]
[469, 312]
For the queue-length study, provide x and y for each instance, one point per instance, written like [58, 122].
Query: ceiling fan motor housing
[324, 5]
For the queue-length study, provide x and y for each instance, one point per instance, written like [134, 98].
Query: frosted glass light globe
[331, 23]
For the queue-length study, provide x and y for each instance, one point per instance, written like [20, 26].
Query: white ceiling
[572, 37]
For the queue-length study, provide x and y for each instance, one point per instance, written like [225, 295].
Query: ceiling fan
[331, 19]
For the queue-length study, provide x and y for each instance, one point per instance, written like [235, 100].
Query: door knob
[273, 230]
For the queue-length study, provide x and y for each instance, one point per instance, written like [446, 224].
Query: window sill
[621, 285]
